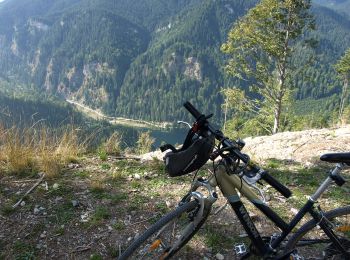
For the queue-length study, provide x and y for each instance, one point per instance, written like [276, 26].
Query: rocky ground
[95, 208]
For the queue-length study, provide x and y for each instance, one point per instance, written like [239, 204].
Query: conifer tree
[343, 69]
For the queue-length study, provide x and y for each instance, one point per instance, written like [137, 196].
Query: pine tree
[343, 69]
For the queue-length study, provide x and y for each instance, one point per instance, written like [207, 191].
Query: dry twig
[29, 191]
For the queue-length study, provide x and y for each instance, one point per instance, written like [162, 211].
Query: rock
[58, 199]
[55, 186]
[219, 256]
[85, 217]
[74, 166]
[168, 204]
[294, 211]
[75, 203]
[137, 176]
[36, 211]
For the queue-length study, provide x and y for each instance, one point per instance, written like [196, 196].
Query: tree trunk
[343, 98]
[277, 115]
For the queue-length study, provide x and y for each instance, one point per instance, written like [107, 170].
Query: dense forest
[143, 59]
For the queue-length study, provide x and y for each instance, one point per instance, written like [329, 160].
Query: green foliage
[343, 65]
[261, 46]
[102, 154]
[24, 250]
[145, 142]
[343, 69]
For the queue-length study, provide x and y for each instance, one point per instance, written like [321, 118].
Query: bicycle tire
[186, 208]
[311, 241]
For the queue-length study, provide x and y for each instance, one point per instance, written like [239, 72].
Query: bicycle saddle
[336, 158]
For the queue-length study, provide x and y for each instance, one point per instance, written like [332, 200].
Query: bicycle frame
[230, 185]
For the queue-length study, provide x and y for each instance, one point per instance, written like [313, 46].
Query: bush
[145, 142]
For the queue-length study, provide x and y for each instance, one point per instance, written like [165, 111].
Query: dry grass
[113, 144]
[37, 149]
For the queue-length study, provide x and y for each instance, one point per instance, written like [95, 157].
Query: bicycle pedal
[240, 249]
[296, 256]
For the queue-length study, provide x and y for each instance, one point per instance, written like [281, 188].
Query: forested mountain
[342, 6]
[143, 58]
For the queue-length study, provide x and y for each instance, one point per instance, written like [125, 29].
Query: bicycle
[234, 172]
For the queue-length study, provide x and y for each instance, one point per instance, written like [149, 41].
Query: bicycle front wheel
[312, 243]
[169, 234]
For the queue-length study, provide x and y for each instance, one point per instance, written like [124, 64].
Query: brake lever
[185, 123]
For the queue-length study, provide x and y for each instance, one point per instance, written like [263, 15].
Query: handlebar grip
[192, 110]
[276, 184]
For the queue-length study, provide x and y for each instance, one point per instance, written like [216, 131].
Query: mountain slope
[142, 58]
[342, 6]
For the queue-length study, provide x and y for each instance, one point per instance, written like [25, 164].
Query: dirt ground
[96, 208]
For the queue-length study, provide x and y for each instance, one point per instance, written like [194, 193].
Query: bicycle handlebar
[234, 148]
[194, 112]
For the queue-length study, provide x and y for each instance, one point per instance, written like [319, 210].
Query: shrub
[145, 142]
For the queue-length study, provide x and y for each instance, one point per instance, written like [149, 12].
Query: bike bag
[194, 153]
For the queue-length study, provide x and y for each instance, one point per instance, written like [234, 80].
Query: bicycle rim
[168, 235]
[312, 243]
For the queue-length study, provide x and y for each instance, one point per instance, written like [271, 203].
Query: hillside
[141, 59]
[342, 6]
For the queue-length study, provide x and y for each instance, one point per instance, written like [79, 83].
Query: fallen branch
[22, 181]
[127, 158]
[29, 191]
[220, 208]
[81, 248]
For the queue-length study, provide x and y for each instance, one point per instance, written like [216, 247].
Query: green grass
[138, 201]
[81, 174]
[162, 207]
[63, 213]
[24, 251]
[62, 191]
[105, 166]
[118, 198]
[7, 210]
[96, 257]
[102, 154]
[119, 225]
[216, 240]
[59, 231]
[100, 214]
